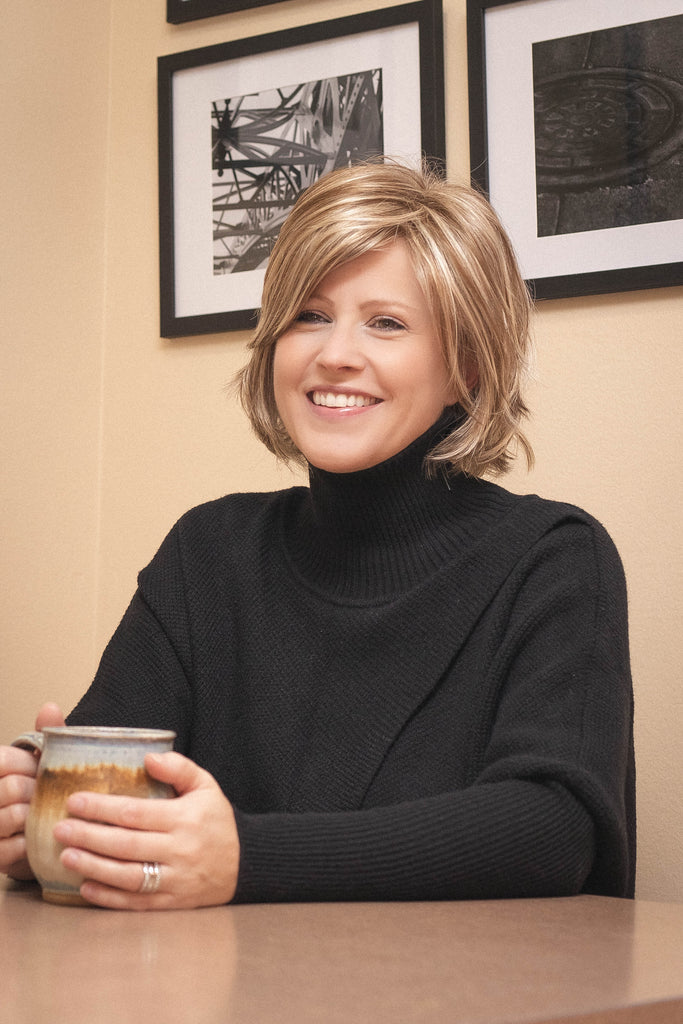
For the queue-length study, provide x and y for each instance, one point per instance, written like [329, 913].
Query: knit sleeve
[565, 709]
[549, 809]
[143, 677]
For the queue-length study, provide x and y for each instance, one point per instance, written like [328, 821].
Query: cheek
[435, 384]
[285, 378]
[281, 364]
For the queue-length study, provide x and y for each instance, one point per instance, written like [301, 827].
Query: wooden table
[587, 960]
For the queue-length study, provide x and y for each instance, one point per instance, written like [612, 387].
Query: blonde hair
[466, 266]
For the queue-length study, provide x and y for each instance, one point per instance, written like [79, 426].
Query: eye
[386, 323]
[310, 316]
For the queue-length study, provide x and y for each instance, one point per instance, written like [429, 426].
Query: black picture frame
[592, 199]
[180, 11]
[381, 66]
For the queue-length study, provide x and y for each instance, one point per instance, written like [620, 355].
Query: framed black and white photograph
[179, 11]
[576, 134]
[245, 126]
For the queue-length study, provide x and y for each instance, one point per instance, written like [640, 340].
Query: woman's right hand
[17, 779]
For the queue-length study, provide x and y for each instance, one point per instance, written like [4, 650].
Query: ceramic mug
[75, 758]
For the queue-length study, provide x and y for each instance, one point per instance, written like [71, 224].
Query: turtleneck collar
[370, 535]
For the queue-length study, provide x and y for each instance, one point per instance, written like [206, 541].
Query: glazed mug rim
[34, 741]
[108, 732]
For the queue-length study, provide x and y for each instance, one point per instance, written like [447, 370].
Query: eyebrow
[378, 303]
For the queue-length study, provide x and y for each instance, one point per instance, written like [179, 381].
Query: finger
[16, 761]
[49, 714]
[128, 876]
[138, 813]
[21, 871]
[119, 886]
[178, 771]
[120, 844]
[16, 789]
[13, 855]
[13, 820]
[121, 899]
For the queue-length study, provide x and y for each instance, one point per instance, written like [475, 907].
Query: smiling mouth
[335, 401]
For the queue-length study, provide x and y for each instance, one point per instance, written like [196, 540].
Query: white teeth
[332, 401]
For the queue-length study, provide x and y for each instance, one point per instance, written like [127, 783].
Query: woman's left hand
[192, 838]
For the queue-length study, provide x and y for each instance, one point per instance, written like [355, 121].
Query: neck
[370, 535]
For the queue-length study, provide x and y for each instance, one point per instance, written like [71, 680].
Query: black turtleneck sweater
[408, 689]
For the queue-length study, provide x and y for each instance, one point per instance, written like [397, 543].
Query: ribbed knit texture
[408, 688]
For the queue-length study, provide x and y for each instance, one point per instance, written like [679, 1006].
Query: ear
[464, 370]
[471, 377]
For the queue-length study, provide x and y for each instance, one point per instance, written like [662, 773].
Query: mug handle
[31, 741]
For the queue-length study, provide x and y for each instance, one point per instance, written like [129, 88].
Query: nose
[340, 349]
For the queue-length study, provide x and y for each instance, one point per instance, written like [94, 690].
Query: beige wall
[110, 432]
[54, 111]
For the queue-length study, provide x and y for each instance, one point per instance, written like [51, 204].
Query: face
[360, 373]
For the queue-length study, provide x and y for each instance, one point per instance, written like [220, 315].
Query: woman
[402, 682]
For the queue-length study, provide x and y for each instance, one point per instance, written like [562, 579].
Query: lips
[335, 400]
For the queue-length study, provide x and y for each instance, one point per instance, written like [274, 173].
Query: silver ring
[151, 877]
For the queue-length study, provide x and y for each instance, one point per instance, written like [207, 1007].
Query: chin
[347, 463]
[339, 466]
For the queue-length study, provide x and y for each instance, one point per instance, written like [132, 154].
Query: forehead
[388, 270]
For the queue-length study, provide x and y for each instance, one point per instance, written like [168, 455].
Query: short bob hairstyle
[466, 266]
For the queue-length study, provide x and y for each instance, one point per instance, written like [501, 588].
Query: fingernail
[76, 804]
